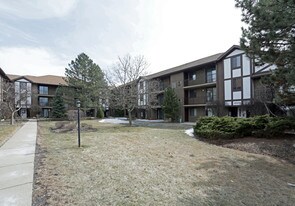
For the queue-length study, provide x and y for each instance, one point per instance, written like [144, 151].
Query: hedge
[233, 127]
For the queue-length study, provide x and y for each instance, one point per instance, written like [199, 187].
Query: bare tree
[123, 78]
[14, 99]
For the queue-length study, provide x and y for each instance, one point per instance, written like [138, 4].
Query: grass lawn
[7, 131]
[120, 165]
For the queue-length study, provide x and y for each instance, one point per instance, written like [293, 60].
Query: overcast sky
[39, 37]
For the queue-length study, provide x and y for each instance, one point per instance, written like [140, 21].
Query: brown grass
[7, 131]
[120, 165]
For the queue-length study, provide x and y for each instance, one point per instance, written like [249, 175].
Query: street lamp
[78, 104]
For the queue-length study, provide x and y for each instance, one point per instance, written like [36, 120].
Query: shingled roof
[46, 79]
[2, 73]
[199, 62]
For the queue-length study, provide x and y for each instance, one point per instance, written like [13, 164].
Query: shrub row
[233, 127]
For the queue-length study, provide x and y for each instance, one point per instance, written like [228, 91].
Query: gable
[22, 80]
[234, 53]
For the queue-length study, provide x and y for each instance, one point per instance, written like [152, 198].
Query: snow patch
[147, 120]
[190, 132]
[115, 120]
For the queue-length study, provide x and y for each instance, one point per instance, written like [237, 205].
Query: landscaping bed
[120, 165]
[282, 148]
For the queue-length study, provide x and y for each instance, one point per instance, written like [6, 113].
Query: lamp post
[78, 106]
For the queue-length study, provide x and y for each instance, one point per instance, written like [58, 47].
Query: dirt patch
[282, 148]
[64, 127]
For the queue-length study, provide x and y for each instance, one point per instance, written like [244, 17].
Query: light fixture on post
[78, 104]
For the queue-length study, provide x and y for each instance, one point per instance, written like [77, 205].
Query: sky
[41, 37]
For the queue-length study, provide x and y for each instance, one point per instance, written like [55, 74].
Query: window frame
[232, 62]
[43, 105]
[41, 90]
[210, 75]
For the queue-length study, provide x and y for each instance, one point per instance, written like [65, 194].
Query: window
[23, 86]
[236, 62]
[193, 93]
[43, 90]
[211, 94]
[43, 101]
[140, 85]
[237, 84]
[45, 113]
[173, 85]
[209, 112]
[211, 75]
[193, 112]
[192, 76]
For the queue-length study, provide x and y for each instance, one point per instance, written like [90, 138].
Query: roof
[199, 62]
[228, 52]
[46, 79]
[2, 73]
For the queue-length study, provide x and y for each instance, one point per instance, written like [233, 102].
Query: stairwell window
[237, 84]
[236, 62]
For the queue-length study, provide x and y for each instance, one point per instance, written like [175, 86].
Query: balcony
[163, 86]
[200, 100]
[188, 82]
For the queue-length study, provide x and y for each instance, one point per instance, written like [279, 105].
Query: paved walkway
[17, 166]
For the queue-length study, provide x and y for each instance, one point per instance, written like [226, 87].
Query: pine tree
[269, 37]
[86, 82]
[171, 104]
[58, 106]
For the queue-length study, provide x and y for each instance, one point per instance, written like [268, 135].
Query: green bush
[232, 127]
[100, 113]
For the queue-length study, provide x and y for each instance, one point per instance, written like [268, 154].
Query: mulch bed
[282, 148]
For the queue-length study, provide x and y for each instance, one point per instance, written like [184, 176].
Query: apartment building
[3, 78]
[34, 94]
[217, 85]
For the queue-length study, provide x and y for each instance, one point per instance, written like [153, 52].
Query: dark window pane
[236, 62]
[211, 75]
[237, 84]
[43, 90]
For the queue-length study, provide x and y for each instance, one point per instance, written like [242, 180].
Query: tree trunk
[130, 117]
[12, 121]
[95, 112]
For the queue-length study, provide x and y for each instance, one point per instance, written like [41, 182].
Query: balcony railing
[200, 100]
[188, 82]
[163, 86]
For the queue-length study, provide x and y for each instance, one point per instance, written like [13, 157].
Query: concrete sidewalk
[17, 166]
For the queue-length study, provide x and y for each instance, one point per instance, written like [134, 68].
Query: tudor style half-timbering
[237, 85]
[239, 81]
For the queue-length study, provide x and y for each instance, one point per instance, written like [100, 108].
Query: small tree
[58, 107]
[13, 100]
[171, 104]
